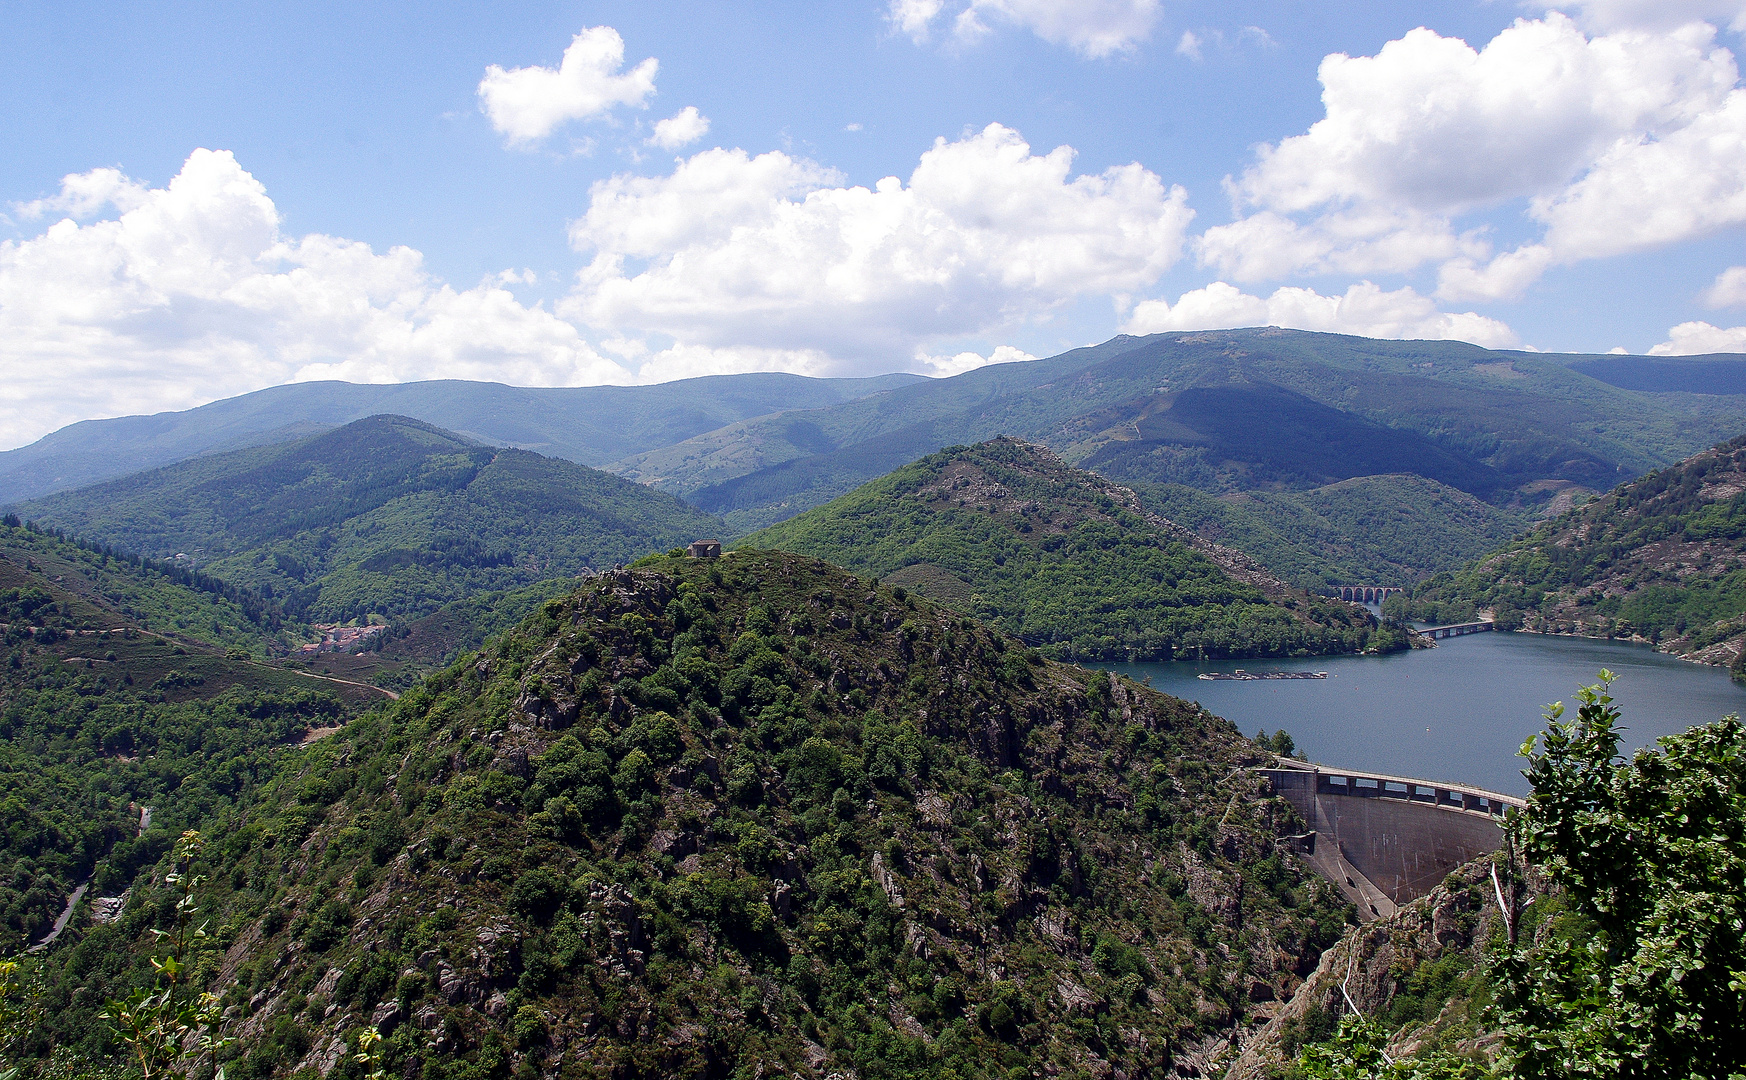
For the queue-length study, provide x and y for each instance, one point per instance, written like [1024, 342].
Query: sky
[198, 200]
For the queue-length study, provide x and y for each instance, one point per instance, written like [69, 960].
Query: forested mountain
[587, 424]
[1663, 558]
[1067, 562]
[1225, 410]
[749, 816]
[125, 685]
[1393, 529]
[387, 515]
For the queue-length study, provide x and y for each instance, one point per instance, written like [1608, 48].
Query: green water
[1456, 713]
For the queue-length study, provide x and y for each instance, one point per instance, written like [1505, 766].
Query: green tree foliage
[1652, 851]
[700, 818]
[1063, 560]
[171, 1027]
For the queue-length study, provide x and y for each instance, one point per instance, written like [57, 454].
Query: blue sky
[198, 200]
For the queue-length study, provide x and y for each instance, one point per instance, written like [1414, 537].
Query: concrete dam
[1387, 840]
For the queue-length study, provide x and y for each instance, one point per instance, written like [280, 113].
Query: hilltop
[386, 516]
[754, 815]
[1661, 558]
[1066, 561]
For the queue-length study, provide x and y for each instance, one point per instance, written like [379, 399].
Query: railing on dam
[1483, 626]
[1385, 840]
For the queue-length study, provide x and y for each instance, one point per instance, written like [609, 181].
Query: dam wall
[1387, 840]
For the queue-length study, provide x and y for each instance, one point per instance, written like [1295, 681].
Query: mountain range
[1258, 418]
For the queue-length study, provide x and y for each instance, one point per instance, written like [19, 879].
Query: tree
[1651, 981]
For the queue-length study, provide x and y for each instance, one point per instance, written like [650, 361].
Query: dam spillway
[1387, 840]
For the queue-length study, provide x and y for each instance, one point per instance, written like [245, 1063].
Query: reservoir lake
[1457, 713]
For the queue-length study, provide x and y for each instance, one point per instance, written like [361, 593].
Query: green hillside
[1661, 558]
[587, 424]
[51, 580]
[1375, 530]
[384, 516]
[752, 816]
[1065, 561]
[121, 688]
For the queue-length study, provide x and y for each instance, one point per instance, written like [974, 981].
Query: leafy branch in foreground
[172, 1026]
[1652, 852]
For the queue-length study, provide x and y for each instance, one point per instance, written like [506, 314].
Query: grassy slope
[386, 515]
[1061, 559]
[758, 815]
[1663, 557]
[1378, 530]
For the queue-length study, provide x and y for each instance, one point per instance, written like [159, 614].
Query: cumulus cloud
[959, 363]
[773, 252]
[191, 293]
[682, 128]
[1093, 28]
[1612, 143]
[1364, 310]
[527, 104]
[1728, 290]
[1692, 338]
[85, 194]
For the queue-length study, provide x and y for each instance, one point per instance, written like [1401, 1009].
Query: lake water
[1457, 713]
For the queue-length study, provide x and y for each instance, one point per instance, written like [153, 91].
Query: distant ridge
[387, 515]
[590, 425]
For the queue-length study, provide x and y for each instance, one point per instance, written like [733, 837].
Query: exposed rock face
[1374, 964]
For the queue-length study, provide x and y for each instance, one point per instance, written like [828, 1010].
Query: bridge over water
[1483, 626]
[1387, 840]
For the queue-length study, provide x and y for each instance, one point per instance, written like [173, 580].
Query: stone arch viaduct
[1367, 594]
[1387, 840]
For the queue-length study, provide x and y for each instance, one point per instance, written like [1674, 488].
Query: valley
[483, 764]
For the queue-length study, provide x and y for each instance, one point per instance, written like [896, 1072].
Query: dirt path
[392, 696]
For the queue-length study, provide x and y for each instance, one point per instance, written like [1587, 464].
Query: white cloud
[85, 194]
[527, 104]
[914, 17]
[1613, 143]
[1606, 15]
[1692, 338]
[1188, 45]
[1094, 28]
[682, 128]
[1364, 310]
[772, 252]
[192, 293]
[1728, 290]
[958, 363]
